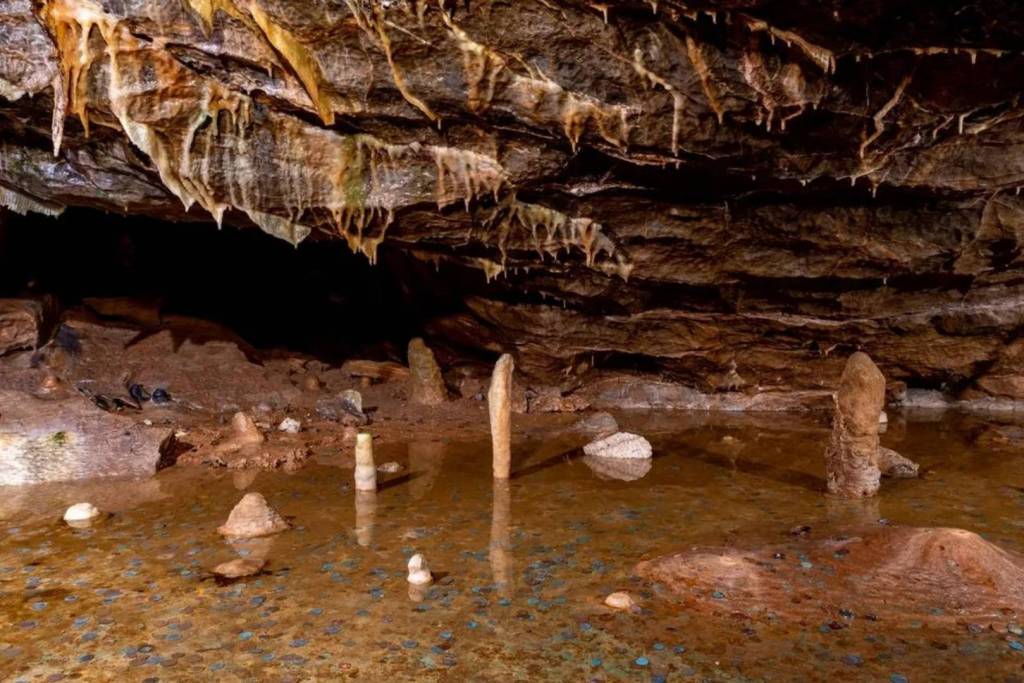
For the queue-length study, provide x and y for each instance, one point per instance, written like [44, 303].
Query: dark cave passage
[318, 298]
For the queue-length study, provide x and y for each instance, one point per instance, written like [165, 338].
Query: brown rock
[851, 459]
[69, 439]
[253, 517]
[551, 400]
[892, 464]
[385, 371]
[427, 384]
[19, 324]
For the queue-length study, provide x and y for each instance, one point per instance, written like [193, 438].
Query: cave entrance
[317, 299]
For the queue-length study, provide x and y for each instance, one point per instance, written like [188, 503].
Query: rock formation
[851, 459]
[81, 515]
[621, 445]
[659, 186]
[365, 472]
[499, 406]
[419, 571]
[622, 601]
[65, 439]
[19, 325]
[252, 517]
[427, 384]
[936, 574]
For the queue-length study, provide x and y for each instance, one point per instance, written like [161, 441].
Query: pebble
[389, 467]
[290, 425]
[642, 661]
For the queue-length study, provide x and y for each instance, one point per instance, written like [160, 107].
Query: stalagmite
[419, 571]
[252, 517]
[499, 405]
[81, 515]
[851, 460]
[501, 538]
[622, 601]
[366, 471]
[428, 386]
[366, 517]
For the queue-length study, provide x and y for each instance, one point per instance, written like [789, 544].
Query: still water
[521, 570]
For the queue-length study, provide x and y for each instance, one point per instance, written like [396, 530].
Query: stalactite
[693, 51]
[823, 57]
[879, 117]
[535, 95]
[550, 232]
[211, 158]
[654, 79]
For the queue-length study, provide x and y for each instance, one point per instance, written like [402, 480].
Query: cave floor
[132, 598]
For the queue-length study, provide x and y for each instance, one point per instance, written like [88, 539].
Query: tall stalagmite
[851, 460]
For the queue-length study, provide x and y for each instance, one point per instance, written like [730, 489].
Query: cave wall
[660, 186]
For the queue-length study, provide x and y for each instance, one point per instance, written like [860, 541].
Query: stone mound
[933, 573]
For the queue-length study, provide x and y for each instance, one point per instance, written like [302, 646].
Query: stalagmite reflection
[425, 460]
[366, 515]
[501, 538]
[854, 512]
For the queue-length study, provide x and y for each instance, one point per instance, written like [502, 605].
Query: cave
[530, 339]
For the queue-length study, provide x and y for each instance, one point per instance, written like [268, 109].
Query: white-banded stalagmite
[366, 471]
[499, 405]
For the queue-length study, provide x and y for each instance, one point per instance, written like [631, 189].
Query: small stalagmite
[419, 571]
[252, 517]
[82, 515]
[366, 471]
[622, 601]
[245, 430]
[499, 405]
[851, 460]
[428, 386]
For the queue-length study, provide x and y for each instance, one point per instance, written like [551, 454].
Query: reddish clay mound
[933, 572]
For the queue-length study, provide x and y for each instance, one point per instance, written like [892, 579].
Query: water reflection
[426, 459]
[501, 538]
[621, 469]
[366, 517]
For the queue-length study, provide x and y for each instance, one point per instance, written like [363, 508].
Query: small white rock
[290, 425]
[389, 467]
[623, 601]
[620, 445]
[419, 572]
[81, 514]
